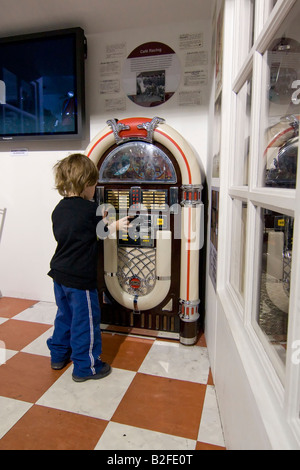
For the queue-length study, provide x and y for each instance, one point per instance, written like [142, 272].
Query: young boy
[77, 334]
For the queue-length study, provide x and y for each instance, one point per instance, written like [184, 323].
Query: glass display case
[276, 260]
[280, 115]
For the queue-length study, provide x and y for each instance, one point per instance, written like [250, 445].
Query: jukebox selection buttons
[156, 199]
[137, 203]
[120, 200]
[135, 197]
[160, 222]
[139, 233]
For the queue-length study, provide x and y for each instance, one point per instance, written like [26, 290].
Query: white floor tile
[10, 412]
[210, 430]
[39, 345]
[95, 398]
[122, 437]
[42, 312]
[173, 360]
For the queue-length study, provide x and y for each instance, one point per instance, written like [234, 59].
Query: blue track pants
[77, 333]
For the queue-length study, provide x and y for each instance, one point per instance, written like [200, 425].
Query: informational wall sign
[191, 41]
[18, 152]
[151, 74]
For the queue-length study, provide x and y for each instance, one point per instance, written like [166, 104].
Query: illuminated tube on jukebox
[147, 167]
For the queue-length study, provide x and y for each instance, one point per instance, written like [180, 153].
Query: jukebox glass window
[137, 161]
[274, 292]
[280, 115]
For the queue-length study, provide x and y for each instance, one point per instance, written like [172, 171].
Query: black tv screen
[42, 85]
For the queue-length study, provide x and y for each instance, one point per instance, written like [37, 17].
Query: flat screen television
[42, 93]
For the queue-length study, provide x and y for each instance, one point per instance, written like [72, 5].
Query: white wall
[191, 121]
[26, 181]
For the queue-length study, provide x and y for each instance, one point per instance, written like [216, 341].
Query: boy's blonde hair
[74, 173]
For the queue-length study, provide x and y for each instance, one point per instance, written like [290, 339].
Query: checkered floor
[160, 395]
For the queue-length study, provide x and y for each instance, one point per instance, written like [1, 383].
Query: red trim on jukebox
[134, 131]
[180, 150]
[188, 259]
[98, 142]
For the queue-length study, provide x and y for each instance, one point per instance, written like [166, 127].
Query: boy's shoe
[59, 365]
[104, 372]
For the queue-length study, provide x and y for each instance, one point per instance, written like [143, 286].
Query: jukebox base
[152, 323]
[188, 335]
[189, 332]
[139, 332]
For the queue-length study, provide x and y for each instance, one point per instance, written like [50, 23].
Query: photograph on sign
[151, 74]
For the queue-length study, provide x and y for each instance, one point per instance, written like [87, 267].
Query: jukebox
[148, 276]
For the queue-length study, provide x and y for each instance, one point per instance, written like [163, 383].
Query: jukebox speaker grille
[136, 270]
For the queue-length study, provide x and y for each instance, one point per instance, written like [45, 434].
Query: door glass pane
[277, 245]
[280, 115]
[238, 247]
[243, 132]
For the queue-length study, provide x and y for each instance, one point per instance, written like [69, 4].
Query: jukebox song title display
[149, 275]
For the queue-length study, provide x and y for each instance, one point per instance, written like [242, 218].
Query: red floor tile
[17, 334]
[201, 340]
[155, 403]
[43, 428]
[210, 380]
[9, 306]
[27, 377]
[163, 405]
[205, 446]
[124, 352]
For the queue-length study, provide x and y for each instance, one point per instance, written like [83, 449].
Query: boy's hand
[121, 224]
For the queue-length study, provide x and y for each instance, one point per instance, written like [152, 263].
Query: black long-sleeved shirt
[74, 263]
